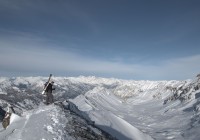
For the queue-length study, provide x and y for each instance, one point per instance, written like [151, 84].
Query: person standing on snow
[49, 95]
[7, 116]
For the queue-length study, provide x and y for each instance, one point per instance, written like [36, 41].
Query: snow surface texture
[137, 110]
[48, 123]
[43, 123]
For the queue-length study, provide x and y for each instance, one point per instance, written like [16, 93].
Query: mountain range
[102, 108]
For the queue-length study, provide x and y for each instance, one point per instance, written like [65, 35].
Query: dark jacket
[2, 113]
[49, 87]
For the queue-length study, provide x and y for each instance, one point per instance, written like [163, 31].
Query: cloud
[29, 54]
[186, 67]
[172, 69]
[32, 54]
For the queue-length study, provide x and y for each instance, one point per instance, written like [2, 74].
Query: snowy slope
[49, 123]
[151, 107]
[44, 123]
[126, 109]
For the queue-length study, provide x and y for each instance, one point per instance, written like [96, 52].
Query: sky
[126, 39]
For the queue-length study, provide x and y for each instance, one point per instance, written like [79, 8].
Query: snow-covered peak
[150, 109]
[121, 88]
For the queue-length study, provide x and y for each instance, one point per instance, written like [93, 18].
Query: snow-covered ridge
[122, 88]
[148, 105]
[70, 87]
[145, 107]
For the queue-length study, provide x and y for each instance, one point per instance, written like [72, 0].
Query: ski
[47, 84]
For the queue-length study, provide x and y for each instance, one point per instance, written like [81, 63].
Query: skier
[7, 116]
[49, 95]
